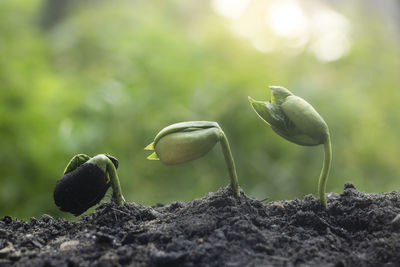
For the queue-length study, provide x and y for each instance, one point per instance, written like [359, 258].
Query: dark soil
[357, 229]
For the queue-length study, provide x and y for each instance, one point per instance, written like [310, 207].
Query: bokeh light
[291, 25]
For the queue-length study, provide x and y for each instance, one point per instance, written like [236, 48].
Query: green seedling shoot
[186, 141]
[296, 120]
[85, 182]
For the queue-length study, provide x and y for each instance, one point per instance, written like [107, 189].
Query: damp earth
[357, 229]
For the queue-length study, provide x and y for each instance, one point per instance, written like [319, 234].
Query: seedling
[186, 141]
[85, 182]
[296, 120]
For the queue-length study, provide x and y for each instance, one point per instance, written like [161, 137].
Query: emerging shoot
[85, 182]
[186, 141]
[297, 121]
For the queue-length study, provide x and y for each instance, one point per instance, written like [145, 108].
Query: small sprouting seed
[81, 189]
[85, 182]
[297, 121]
[186, 141]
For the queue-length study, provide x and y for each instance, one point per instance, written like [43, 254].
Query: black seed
[113, 160]
[81, 189]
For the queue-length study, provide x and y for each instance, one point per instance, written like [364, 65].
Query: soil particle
[357, 229]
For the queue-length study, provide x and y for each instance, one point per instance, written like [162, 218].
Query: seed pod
[182, 147]
[292, 118]
[186, 141]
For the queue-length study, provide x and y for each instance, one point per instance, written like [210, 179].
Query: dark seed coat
[81, 189]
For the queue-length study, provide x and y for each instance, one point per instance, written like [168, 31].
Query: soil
[357, 229]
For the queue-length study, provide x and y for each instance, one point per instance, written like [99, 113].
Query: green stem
[117, 192]
[323, 178]
[104, 163]
[230, 163]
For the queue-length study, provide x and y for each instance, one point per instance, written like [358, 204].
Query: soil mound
[357, 229]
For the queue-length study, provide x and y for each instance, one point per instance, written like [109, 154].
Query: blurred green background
[105, 76]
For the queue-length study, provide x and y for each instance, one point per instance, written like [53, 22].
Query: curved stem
[323, 178]
[230, 163]
[117, 192]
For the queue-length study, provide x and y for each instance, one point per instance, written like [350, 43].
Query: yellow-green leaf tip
[149, 147]
[153, 156]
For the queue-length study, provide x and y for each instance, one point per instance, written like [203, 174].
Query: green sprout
[186, 141]
[85, 182]
[296, 120]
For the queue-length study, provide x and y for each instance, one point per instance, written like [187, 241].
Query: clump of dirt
[357, 229]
